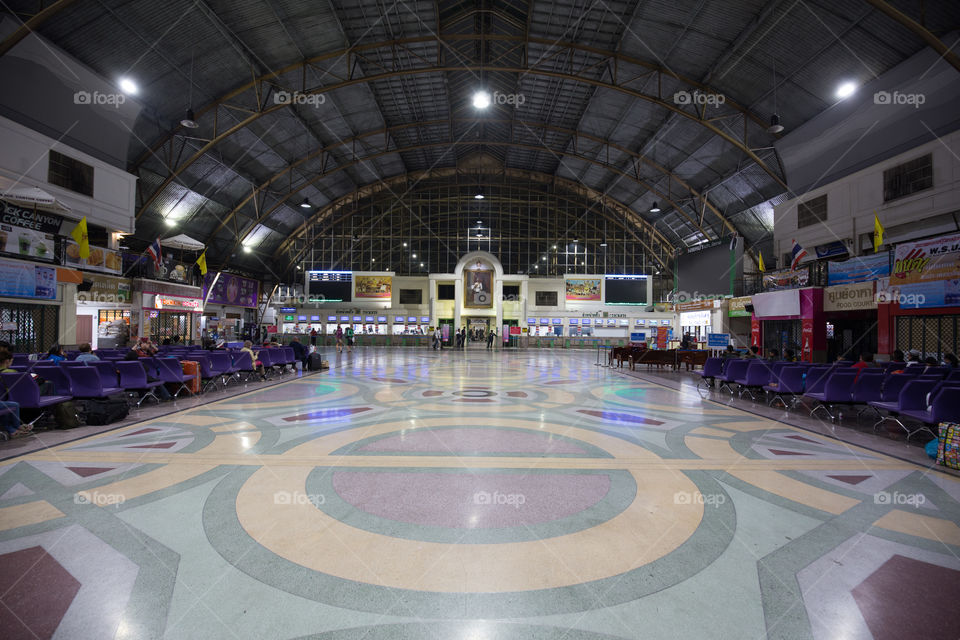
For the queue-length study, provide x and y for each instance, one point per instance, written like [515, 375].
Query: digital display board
[411, 319]
[314, 318]
[368, 319]
[301, 318]
[425, 319]
[531, 321]
[331, 318]
[586, 321]
[557, 321]
[330, 286]
[574, 321]
[625, 290]
[288, 309]
[381, 318]
[544, 320]
[357, 318]
[344, 318]
[398, 319]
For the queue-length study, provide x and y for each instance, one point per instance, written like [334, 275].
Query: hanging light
[189, 120]
[479, 196]
[306, 203]
[481, 100]
[655, 208]
[775, 126]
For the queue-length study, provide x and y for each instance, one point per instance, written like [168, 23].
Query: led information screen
[330, 286]
[625, 289]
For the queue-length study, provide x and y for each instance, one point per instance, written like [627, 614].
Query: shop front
[171, 317]
[738, 318]
[29, 306]
[850, 312]
[790, 320]
[104, 311]
[919, 305]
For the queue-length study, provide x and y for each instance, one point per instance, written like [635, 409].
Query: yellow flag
[202, 262]
[760, 262]
[877, 233]
[79, 234]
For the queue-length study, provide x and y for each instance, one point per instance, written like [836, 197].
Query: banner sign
[776, 304]
[176, 303]
[105, 289]
[39, 221]
[663, 337]
[737, 307]
[583, 290]
[23, 280]
[104, 260]
[373, 287]
[927, 261]
[849, 297]
[859, 269]
[806, 333]
[231, 290]
[831, 249]
[478, 289]
[718, 340]
[26, 243]
[786, 279]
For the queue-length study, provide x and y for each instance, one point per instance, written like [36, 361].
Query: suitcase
[192, 367]
[106, 411]
[315, 361]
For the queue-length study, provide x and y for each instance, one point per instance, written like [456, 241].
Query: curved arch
[660, 253]
[447, 124]
[394, 46]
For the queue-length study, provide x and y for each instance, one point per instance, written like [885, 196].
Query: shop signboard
[169, 302]
[583, 289]
[105, 289]
[831, 249]
[737, 307]
[373, 287]
[849, 297]
[26, 243]
[786, 279]
[25, 280]
[718, 340]
[859, 269]
[35, 220]
[231, 290]
[927, 260]
[103, 260]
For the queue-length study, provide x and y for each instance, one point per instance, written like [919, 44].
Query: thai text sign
[927, 260]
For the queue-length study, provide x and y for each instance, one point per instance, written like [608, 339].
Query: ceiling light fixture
[189, 121]
[603, 244]
[414, 256]
[846, 89]
[246, 248]
[479, 196]
[481, 100]
[128, 86]
[775, 126]
[306, 203]
[170, 222]
[655, 208]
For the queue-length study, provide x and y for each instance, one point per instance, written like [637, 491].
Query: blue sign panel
[718, 340]
[859, 269]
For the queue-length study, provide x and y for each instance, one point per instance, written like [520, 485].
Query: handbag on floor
[106, 411]
[948, 453]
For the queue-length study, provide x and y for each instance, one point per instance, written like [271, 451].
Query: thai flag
[155, 252]
[799, 253]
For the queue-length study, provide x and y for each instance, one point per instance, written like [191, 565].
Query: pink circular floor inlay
[470, 501]
[474, 440]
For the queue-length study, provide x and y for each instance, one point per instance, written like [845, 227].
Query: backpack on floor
[315, 361]
[106, 411]
[948, 453]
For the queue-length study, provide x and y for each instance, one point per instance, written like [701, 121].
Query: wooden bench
[658, 357]
[693, 358]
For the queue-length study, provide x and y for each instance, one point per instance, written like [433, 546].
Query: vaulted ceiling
[664, 101]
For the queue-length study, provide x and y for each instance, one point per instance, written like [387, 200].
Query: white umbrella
[182, 241]
[34, 197]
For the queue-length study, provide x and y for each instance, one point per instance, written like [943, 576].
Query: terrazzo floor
[474, 495]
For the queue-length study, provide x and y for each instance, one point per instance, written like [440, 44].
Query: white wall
[852, 201]
[24, 161]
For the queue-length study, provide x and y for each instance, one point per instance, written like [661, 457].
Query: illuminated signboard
[344, 318]
[574, 321]
[288, 309]
[398, 319]
[531, 321]
[314, 318]
[381, 318]
[412, 319]
[557, 321]
[331, 318]
[176, 302]
[425, 319]
[368, 319]
[301, 318]
[544, 320]
[586, 321]
[288, 318]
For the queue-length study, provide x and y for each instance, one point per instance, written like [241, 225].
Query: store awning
[184, 242]
[33, 197]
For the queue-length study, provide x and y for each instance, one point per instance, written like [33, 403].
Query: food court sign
[849, 297]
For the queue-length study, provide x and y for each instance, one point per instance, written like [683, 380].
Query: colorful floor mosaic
[470, 495]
